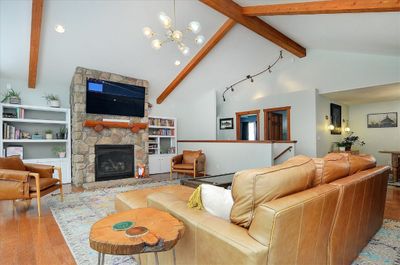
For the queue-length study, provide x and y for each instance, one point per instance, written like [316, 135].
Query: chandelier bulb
[148, 32]
[199, 40]
[184, 49]
[177, 62]
[165, 20]
[194, 27]
[177, 35]
[156, 44]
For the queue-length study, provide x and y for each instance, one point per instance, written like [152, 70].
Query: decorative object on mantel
[349, 141]
[12, 96]
[141, 171]
[251, 77]
[172, 34]
[52, 100]
[100, 125]
[382, 120]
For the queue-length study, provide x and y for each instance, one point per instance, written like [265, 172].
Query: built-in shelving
[162, 143]
[20, 122]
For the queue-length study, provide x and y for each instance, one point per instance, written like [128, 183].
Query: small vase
[49, 136]
[14, 100]
[61, 154]
[54, 103]
[342, 149]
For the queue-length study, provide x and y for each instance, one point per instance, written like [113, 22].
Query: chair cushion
[44, 171]
[12, 162]
[190, 156]
[43, 182]
[361, 162]
[184, 166]
[253, 187]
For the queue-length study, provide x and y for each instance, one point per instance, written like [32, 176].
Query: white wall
[302, 115]
[376, 139]
[325, 139]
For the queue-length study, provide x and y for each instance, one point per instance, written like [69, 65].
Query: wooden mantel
[100, 125]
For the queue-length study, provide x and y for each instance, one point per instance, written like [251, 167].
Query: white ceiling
[389, 92]
[107, 35]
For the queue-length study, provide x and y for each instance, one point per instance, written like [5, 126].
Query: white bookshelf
[162, 144]
[37, 119]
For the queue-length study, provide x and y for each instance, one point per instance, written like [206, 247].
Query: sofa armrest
[14, 175]
[298, 225]
[45, 171]
[177, 159]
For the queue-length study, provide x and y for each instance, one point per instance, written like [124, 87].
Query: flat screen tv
[106, 97]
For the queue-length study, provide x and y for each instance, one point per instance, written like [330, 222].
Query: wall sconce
[330, 126]
[347, 128]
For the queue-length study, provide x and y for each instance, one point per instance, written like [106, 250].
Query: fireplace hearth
[114, 162]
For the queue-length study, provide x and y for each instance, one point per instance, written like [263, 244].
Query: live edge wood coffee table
[164, 232]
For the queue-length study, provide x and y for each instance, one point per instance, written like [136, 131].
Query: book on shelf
[11, 132]
[161, 122]
[17, 113]
[162, 132]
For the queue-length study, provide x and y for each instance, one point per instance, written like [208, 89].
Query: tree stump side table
[164, 232]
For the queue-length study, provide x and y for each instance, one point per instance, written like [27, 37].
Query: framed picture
[382, 120]
[15, 151]
[226, 124]
[336, 118]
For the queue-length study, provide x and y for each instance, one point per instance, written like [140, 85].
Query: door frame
[266, 124]
[243, 113]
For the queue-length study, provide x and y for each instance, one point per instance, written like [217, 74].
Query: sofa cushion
[184, 166]
[335, 166]
[12, 162]
[190, 156]
[253, 187]
[361, 162]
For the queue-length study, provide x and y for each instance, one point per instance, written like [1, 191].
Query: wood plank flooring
[27, 239]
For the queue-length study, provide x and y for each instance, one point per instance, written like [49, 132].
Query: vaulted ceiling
[107, 35]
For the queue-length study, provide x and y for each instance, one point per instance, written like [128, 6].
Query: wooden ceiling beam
[36, 24]
[323, 7]
[234, 11]
[197, 58]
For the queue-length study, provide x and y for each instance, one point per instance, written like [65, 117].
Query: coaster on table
[136, 232]
[122, 226]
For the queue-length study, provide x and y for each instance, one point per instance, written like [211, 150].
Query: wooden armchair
[27, 181]
[190, 162]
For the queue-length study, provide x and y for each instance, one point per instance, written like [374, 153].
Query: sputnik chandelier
[172, 34]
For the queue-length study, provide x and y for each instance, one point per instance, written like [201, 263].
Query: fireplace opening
[114, 162]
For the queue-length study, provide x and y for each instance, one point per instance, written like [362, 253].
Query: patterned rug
[80, 210]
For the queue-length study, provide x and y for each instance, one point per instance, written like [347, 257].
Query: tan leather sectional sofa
[305, 211]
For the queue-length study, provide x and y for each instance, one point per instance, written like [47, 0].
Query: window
[277, 124]
[248, 125]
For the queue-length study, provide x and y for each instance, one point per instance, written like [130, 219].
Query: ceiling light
[59, 28]
[177, 62]
[172, 34]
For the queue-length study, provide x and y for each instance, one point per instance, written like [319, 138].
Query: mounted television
[106, 97]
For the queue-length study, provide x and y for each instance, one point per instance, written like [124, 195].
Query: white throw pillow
[217, 200]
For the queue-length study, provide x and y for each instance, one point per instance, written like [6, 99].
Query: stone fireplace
[85, 139]
[114, 161]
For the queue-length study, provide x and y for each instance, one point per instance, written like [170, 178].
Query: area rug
[80, 210]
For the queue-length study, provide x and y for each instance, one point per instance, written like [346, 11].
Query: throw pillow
[216, 200]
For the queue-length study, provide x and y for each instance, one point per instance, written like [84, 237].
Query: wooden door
[276, 126]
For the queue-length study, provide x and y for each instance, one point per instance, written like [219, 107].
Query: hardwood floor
[27, 239]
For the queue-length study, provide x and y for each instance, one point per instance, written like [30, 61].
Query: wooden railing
[283, 152]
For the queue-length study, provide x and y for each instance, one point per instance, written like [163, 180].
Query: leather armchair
[27, 181]
[190, 162]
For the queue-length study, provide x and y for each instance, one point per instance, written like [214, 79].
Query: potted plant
[62, 134]
[349, 141]
[49, 134]
[52, 100]
[59, 150]
[12, 96]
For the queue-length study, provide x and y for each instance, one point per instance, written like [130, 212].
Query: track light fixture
[251, 77]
